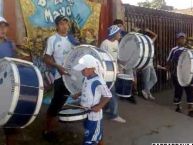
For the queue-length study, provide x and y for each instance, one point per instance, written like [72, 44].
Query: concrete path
[149, 122]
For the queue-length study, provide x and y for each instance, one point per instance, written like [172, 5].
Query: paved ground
[147, 122]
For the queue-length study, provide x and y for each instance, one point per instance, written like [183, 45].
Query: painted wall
[17, 27]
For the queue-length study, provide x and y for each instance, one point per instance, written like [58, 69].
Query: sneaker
[190, 113]
[49, 136]
[119, 119]
[151, 97]
[145, 95]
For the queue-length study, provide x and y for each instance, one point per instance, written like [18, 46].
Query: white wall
[1, 7]
[118, 10]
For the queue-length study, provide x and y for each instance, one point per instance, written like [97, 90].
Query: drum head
[185, 68]
[130, 50]
[75, 80]
[8, 79]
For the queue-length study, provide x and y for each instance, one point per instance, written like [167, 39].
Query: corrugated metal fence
[166, 25]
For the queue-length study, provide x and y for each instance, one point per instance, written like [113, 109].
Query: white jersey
[58, 46]
[111, 47]
[92, 90]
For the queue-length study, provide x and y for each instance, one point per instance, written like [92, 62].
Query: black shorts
[58, 100]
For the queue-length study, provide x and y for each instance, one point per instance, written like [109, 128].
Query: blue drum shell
[28, 97]
[123, 87]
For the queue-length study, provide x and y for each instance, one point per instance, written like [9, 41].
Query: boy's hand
[62, 70]
[96, 108]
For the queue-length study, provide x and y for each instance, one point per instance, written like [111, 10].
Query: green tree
[145, 4]
[156, 4]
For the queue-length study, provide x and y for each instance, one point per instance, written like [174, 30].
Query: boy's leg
[93, 132]
[55, 106]
[189, 95]
[178, 92]
[146, 81]
[113, 104]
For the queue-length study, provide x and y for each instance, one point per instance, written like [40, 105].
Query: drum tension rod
[10, 113]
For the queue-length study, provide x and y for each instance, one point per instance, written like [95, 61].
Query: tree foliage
[156, 4]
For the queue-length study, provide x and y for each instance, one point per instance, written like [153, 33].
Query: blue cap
[112, 30]
[181, 34]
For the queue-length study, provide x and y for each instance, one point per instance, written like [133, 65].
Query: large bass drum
[74, 82]
[185, 68]
[21, 88]
[135, 51]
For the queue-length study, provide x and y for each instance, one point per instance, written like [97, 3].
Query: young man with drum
[94, 96]
[149, 76]
[172, 62]
[58, 46]
[131, 72]
[111, 45]
[7, 49]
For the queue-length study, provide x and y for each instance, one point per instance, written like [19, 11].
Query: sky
[179, 4]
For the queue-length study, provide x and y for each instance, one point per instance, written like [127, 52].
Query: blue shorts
[93, 132]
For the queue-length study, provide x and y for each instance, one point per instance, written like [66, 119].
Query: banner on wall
[39, 15]
[39, 18]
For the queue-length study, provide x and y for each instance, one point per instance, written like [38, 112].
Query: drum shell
[123, 85]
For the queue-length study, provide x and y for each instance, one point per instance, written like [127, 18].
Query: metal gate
[166, 25]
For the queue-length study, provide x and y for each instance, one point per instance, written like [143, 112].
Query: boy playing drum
[94, 96]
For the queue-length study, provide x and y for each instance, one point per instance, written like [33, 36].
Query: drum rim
[85, 112]
[129, 78]
[124, 96]
[15, 98]
[72, 118]
[151, 52]
[143, 49]
[191, 70]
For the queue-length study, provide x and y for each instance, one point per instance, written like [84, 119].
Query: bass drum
[135, 51]
[74, 82]
[21, 88]
[185, 68]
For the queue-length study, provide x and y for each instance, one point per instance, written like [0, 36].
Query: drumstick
[78, 106]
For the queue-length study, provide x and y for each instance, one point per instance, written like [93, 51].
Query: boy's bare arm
[102, 103]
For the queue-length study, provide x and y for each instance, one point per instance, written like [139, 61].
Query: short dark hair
[117, 21]
[60, 18]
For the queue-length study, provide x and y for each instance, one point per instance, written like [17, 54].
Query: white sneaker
[145, 95]
[151, 97]
[119, 119]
